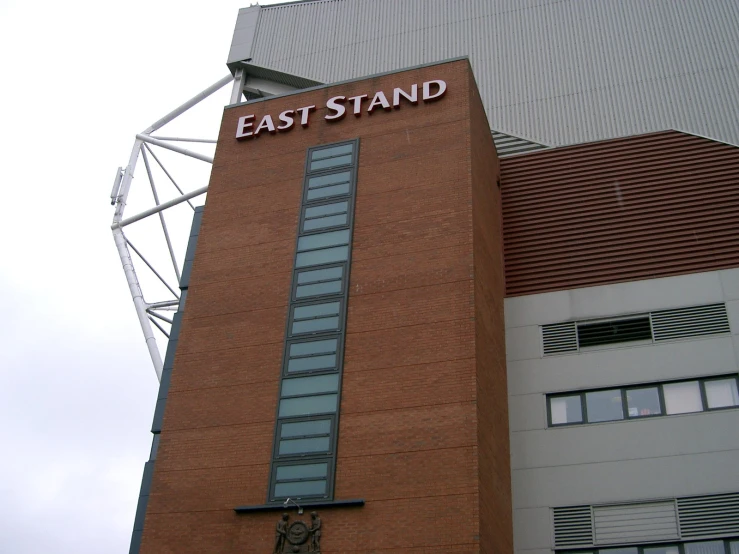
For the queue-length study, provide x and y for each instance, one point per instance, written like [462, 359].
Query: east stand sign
[338, 107]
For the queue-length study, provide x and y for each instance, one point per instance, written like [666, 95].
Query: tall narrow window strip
[305, 439]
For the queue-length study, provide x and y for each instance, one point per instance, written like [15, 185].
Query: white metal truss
[144, 147]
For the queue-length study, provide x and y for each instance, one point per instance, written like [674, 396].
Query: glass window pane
[316, 275]
[324, 180]
[300, 488]
[326, 192]
[305, 291]
[322, 240]
[315, 325]
[708, 547]
[304, 446]
[323, 222]
[331, 162]
[302, 471]
[327, 209]
[308, 405]
[565, 409]
[310, 385]
[643, 402]
[305, 428]
[316, 310]
[319, 257]
[604, 405]
[669, 549]
[314, 362]
[313, 347]
[682, 398]
[734, 547]
[333, 151]
[722, 393]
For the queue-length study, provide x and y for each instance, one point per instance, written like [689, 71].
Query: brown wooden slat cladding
[620, 210]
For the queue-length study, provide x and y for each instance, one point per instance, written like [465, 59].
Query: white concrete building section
[553, 72]
[625, 461]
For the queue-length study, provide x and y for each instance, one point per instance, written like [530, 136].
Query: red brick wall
[496, 515]
[408, 433]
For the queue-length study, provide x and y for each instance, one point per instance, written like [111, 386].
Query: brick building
[440, 348]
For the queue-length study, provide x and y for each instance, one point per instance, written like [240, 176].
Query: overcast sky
[77, 387]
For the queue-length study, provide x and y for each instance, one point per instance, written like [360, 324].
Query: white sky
[77, 388]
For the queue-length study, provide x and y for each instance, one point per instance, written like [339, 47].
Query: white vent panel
[627, 523]
[703, 516]
[690, 322]
[559, 338]
[573, 527]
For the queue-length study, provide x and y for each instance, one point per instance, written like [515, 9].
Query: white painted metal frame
[147, 311]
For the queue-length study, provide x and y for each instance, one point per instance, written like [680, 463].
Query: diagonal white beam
[173, 148]
[159, 208]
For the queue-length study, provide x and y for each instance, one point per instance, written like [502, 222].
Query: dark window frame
[325, 334]
[280, 422]
[272, 497]
[342, 288]
[727, 541]
[624, 403]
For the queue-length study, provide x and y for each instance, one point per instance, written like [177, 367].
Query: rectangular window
[319, 282]
[315, 318]
[677, 397]
[682, 398]
[331, 157]
[566, 409]
[643, 402]
[321, 257]
[302, 386]
[301, 480]
[722, 393]
[308, 405]
[708, 547]
[328, 215]
[323, 240]
[312, 355]
[605, 405]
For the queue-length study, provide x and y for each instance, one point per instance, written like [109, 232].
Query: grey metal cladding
[553, 71]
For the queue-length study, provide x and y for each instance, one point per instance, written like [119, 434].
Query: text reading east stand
[337, 109]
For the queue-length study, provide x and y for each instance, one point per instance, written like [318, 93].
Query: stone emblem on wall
[298, 536]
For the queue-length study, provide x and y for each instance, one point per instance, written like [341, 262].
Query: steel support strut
[119, 197]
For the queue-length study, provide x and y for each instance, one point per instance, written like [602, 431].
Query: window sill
[354, 503]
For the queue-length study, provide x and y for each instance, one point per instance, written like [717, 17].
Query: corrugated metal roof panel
[555, 71]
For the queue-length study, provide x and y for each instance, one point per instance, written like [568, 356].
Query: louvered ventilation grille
[690, 322]
[508, 144]
[626, 523]
[701, 516]
[573, 527]
[559, 338]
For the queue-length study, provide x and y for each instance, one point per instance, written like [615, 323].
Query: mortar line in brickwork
[387, 291]
[250, 383]
[219, 425]
[425, 184]
[427, 324]
[413, 407]
[237, 312]
[470, 446]
[256, 345]
[415, 365]
[400, 498]
[364, 259]
[431, 215]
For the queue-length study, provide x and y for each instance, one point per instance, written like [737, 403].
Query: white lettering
[266, 123]
[357, 100]
[427, 96]
[339, 109]
[287, 120]
[412, 97]
[304, 111]
[243, 124]
[378, 100]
